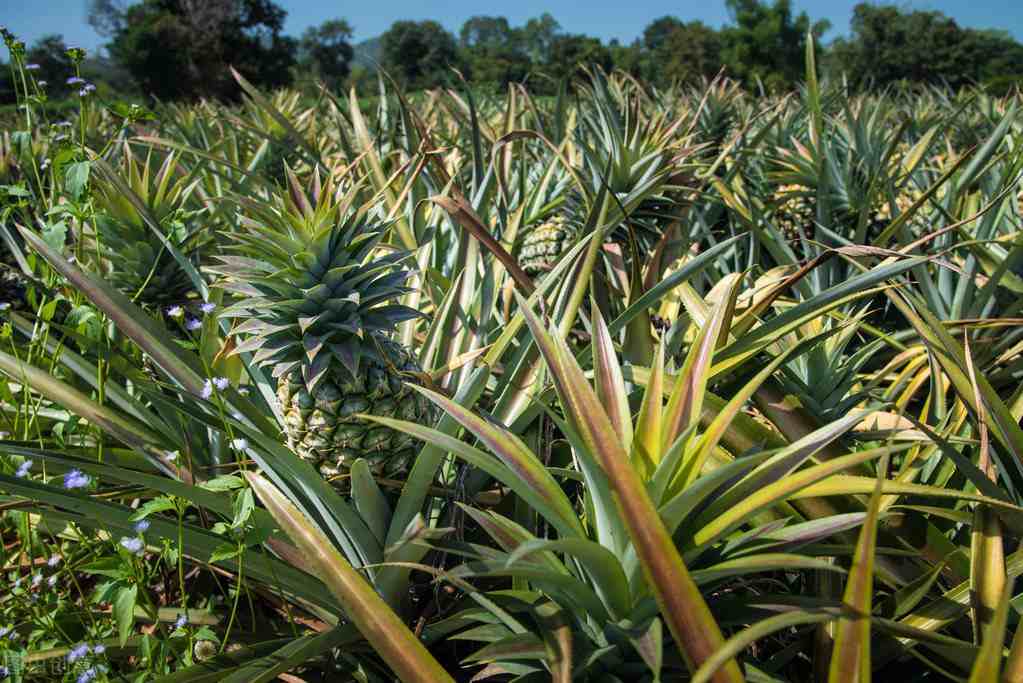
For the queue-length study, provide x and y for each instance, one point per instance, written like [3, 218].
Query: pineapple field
[623, 384]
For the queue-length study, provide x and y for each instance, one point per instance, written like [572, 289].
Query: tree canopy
[181, 49]
[326, 51]
[418, 53]
[889, 45]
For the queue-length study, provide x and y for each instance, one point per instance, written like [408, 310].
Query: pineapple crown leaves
[313, 284]
[163, 192]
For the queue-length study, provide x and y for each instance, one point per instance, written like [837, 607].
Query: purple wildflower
[87, 676]
[132, 545]
[221, 383]
[175, 311]
[23, 469]
[75, 80]
[32, 67]
[181, 621]
[75, 479]
[99, 649]
[54, 560]
[193, 324]
[207, 390]
[141, 526]
[77, 652]
[208, 307]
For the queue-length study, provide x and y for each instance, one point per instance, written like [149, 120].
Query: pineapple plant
[316, 298]
[124, 245]
[639, 155]
[847, 167]
[552, 215]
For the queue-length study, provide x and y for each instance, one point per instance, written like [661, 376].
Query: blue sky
[604, 18]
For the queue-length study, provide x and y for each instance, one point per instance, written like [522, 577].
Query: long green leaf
[380, 626]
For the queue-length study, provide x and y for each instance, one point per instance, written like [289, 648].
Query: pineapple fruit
[316, 295]
[543, 246]
[795, 214]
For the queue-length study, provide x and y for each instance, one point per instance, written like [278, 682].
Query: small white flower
[207, 390]
[171, 455]
[37, 579]
[31, 67]
[240, 444]
[52, 581]
[175, 311]
[53, 561]
[208, 307]
[221, 383]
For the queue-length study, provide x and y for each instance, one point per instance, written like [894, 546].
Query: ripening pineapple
[316, 305]
[795, 213]
[543, 246]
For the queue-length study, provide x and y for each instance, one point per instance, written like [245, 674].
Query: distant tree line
[180, 49]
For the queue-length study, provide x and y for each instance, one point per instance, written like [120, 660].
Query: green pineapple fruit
[544, 245]
[316, 298]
